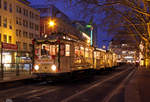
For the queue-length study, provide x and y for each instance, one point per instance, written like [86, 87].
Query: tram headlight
[36, 67]
[53, 67]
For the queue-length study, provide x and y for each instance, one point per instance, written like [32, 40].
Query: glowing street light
[51, 23]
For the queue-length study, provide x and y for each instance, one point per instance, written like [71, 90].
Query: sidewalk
[15, 78]
[138, 89]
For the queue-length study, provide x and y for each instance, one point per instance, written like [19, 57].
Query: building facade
[19, 24]
[126, 52]
[62, 22]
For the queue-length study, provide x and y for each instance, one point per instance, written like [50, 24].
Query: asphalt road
[103, 87]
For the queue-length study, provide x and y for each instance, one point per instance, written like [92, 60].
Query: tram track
[99, 84]
[59, 92]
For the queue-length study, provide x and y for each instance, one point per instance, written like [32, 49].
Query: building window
[17, 22]
[24, 34]
[20, 21]
[5, 22]
[10, 8]
[5, 38]
[0, 3]
[25, 46]
[24, 12]
[17, 32]
[31, 47]
[10, 24]
[5, 5]
[10, 39]
[20, 33]
[18, 9]
[0, 21]
[18, 45]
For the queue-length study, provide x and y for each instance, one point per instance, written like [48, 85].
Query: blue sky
[73, 14]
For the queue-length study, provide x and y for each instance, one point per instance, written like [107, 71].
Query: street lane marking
[42, 93]
[93, 86]
[117, 90]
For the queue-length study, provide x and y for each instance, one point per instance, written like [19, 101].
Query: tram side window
[67, 52]
[52, 50]
[86, 52]
[82, 51]
[98, 55]
[77, 51]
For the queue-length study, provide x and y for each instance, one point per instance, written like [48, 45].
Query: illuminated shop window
[67, 50]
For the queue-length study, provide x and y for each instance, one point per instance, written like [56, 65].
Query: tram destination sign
[9, 46]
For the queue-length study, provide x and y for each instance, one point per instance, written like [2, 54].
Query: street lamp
[51, 23]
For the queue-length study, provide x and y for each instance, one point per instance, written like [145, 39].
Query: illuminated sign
[9, 46]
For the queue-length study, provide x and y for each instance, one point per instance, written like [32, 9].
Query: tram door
[65, 57]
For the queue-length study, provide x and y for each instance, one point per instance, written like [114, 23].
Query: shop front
[13, 62]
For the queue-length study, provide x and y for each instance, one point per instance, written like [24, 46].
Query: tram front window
[44, 51]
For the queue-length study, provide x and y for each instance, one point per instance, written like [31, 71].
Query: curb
[14, 83]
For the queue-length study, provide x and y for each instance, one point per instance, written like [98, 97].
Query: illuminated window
[52, 50]
[77, 51]
[5, 38]
[67, 50]
[86, 52]
[82, 51]
[5, 5]
[95, 54]
[98, 55]
[124, 52]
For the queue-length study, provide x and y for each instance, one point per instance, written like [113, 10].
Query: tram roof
[58, 36]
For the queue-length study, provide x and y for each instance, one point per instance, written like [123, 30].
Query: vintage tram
[60, 55]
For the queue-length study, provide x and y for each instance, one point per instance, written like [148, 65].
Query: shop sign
[9, 46]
